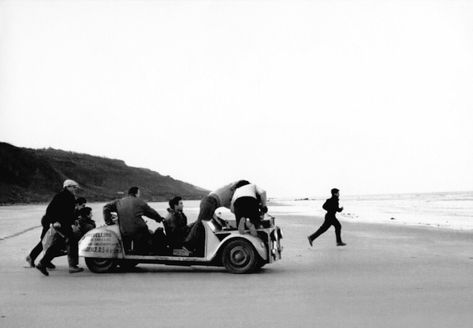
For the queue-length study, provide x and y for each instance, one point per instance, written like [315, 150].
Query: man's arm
[325, 206]
[107, 212]
[262, 195]
[151, 213]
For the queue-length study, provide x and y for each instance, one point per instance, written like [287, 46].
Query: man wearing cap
[60, 212]
[332, 207]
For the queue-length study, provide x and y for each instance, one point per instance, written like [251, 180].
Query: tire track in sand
[16, 234]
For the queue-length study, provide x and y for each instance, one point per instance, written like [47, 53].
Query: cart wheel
[239, 256]
[99, 265]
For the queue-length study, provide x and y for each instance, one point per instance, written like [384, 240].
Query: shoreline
[350, 220]
[436, 210]
[316, 221]
[30, 215]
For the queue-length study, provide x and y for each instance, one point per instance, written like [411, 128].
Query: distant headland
[34, 175]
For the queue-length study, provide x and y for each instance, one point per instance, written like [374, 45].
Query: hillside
[35, 175]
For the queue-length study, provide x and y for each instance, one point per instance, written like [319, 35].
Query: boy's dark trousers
[329, 221]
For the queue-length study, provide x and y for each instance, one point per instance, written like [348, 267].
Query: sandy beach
[387, 276]
[279, 104]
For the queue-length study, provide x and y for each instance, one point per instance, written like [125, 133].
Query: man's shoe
[50, 266]
[30, 261]
[341, 244]
[310, 241]
[42, 269]
[75, 269]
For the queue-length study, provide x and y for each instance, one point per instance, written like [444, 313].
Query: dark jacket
[332, 207]
[61, 209]
[176, 219]
[85, 225]
[176, 227]
[129, 210]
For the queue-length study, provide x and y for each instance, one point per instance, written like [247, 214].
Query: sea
[443, 210]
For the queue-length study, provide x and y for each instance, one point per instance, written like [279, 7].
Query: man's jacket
[130, 210]
[61, 209]
[176, 219]
[176, 226]
[331, 206]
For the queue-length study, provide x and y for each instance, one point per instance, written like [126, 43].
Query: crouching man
[133, 228]
[222, 197]
[84, 223]
[60, 212]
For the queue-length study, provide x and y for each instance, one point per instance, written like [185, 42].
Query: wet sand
[387, 276]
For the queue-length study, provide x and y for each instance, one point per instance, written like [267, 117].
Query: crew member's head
[134, 191]
[335, 192]
[71, 186]
[176, 204]
[85, 212]
[80, 203]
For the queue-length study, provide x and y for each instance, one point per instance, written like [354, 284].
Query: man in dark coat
[45, 222]
[176, 223]
[332, 207]
[84, 223]
[61, 213]
[132, 226]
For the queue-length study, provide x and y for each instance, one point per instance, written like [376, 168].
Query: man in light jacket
[222, 197]
[248, 203]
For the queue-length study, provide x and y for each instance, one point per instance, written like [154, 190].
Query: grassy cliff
[35, 175]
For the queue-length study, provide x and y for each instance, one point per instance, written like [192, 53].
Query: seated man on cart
[176, 223]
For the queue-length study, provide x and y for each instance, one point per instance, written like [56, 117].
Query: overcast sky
[297, 96]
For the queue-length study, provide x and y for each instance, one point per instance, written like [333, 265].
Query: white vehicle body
[103, 249]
